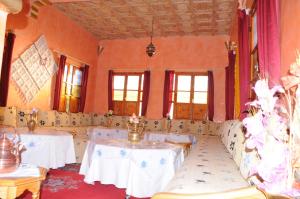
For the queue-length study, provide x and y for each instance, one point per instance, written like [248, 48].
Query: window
[190, 96]
[70, 90]
[127, 93]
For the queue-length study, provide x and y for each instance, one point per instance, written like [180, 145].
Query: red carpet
[66, 184]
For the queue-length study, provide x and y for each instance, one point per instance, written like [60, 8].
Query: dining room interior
[158, 99]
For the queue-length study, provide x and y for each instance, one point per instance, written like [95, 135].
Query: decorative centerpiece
[169, 123]
[32, 121]
[273, 132]
[9, 154]
[135, 129]
[109, 120]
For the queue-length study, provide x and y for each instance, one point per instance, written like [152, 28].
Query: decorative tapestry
[33, 69]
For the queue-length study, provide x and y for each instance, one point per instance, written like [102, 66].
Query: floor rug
[66, 183]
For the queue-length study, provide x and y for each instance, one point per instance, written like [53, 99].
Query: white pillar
[3, 17]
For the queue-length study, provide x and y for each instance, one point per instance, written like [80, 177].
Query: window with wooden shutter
[127, 93]
[190, 96]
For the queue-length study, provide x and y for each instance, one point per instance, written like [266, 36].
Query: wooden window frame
[254, 59]
[192, 91]
[124, 101]
[63, 104]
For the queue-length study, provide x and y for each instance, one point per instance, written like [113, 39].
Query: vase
[31, 125]
[169, 126]
[109, 122]
[135, 132]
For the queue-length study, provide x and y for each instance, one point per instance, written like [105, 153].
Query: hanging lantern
[150, 50]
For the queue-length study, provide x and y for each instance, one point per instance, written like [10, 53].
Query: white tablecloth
[174, 137]
[143, 169]
[102, 132]
[156, 136]
[24, 170]
[46, 148]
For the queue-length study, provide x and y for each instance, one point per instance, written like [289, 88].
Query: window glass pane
[254, 30]
[200, 83]
[76, 91]
[65, 73]
[68, 89]
[77, 77]
[119, 82]
[133, 83]
[183, 97]
[142, 82]
[184, 83]
[132, 96]
[70, 73]
[118, 95]
[200, 98]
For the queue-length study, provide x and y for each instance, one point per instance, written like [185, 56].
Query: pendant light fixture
[150, 50]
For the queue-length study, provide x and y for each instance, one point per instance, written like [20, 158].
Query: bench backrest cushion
[8, 116]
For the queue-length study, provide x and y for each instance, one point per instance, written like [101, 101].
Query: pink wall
[189, 53]
[290, 33]
[62, 35]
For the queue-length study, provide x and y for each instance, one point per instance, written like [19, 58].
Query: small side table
[13, 187]
[185, 145]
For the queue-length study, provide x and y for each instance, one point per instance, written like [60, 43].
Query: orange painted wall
[290, 33]
[62, 35]
[188, 53]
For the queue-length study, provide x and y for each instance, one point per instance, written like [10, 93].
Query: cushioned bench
[217, 167]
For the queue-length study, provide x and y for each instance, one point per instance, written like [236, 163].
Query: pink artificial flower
[255, 131]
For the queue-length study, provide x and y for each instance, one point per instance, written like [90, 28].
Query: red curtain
[229, 94]
[168, 88]
[110, 90]
[59, 79]
[146, 90]
[210, 96]
[85, 74]
[268, 33]
[244, 60]
[6, 65]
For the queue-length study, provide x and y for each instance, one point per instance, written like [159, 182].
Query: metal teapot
[9, 154]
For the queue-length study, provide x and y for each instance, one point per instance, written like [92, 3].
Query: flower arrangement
[272, 130]
[109, 113]
[134, 119]
[135, 128]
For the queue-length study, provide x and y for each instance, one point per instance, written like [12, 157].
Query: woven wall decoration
[32, 70]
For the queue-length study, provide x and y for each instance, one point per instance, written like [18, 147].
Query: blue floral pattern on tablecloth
[123, 153]
[162, 161]
[143, 164]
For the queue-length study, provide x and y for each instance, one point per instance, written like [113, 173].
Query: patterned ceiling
[119, 19]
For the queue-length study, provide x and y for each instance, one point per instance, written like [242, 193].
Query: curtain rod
[70, 57]
[153, 69]
[129, 69]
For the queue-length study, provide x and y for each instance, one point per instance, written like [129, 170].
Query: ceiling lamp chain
[150, 50]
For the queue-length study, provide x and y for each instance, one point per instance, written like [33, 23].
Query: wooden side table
[13, 187]
[185, 145]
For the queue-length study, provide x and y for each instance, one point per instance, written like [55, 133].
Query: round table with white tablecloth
[142, 169]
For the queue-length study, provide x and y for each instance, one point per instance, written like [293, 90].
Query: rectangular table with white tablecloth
[45, 147]
[156, 136]
[142, 169]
